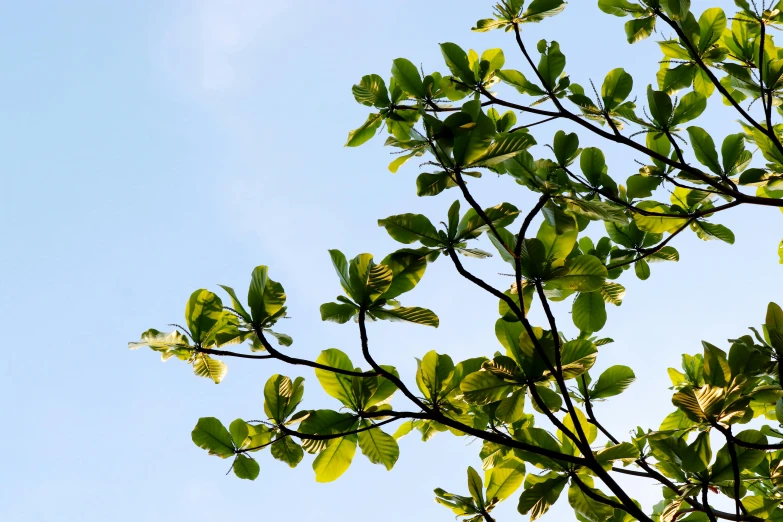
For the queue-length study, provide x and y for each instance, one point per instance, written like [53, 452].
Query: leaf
[587, 507]
[472, 224]
[409, 228]
[246, 467]
[211, 435]
[206, 366]
[690, 107]
[613, 293]
[335, 460]
[704, 149]
[203, 313]
[338, 312]
[593, 164]
[335, 384]
[712, 24]
[433, 184]
[367, 130]
[412, 314]
[617, 85]
[504, 480]
[660, 105]
[379, 447]
[407, 77]
[557, 246]
[540, 9]
[457, 62]
[475, 486]
[433, 374]
[642, 269]
[371, 91]
[638, 29]
[287, 450]
[590, 431]
[613, 381]
[708, 231]
[282, 396]
[551, 65]
[483, 387]
[589, 312]
[541, 492]
[505, 146]
[407, 270]
[585, 274]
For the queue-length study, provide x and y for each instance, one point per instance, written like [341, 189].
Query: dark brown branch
[304, 362]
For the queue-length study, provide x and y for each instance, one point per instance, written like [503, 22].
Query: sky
[153, 148]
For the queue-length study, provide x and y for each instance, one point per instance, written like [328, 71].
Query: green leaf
[433, 374]
[551, 65]
[287, 450]
[517, 80]
[433, 184]
[557, 246]
[239, 432]
[475, 486]
[407, 270]
[206, 366]
[379, 447]
[642, 269]
[335, 460]
[712, 24]
[484, 387]
[203, 313]
[708, 231]
[585, 274]
[282, 396]
[265, 297]
[505, 146]
[589, 429]
[409, 228]
[613, 381]
[640, 28]
[704, 149]
[407, 77]
[505, 479]
[211, 435]
[412, 314]
[584, 505]
[367, 130]
[565, 146]
[593, 164]
[335, 384]
[660, 106]
[540, 9]
[472, 224]
[690, 107]
[617, 85]
[246, 467]
[732, 150]
[338, 312]
[699, 454]
[541, 492]
[457, 62]
[371, 91]
[774, 318]
[589, 312]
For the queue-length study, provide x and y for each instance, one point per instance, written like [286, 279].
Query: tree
[554, 442]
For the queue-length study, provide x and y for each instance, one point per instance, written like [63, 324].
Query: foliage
[531, 404]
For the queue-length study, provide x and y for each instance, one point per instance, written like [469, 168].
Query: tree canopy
[530, 403]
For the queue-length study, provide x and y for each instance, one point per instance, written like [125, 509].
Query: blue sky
[155, 149]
